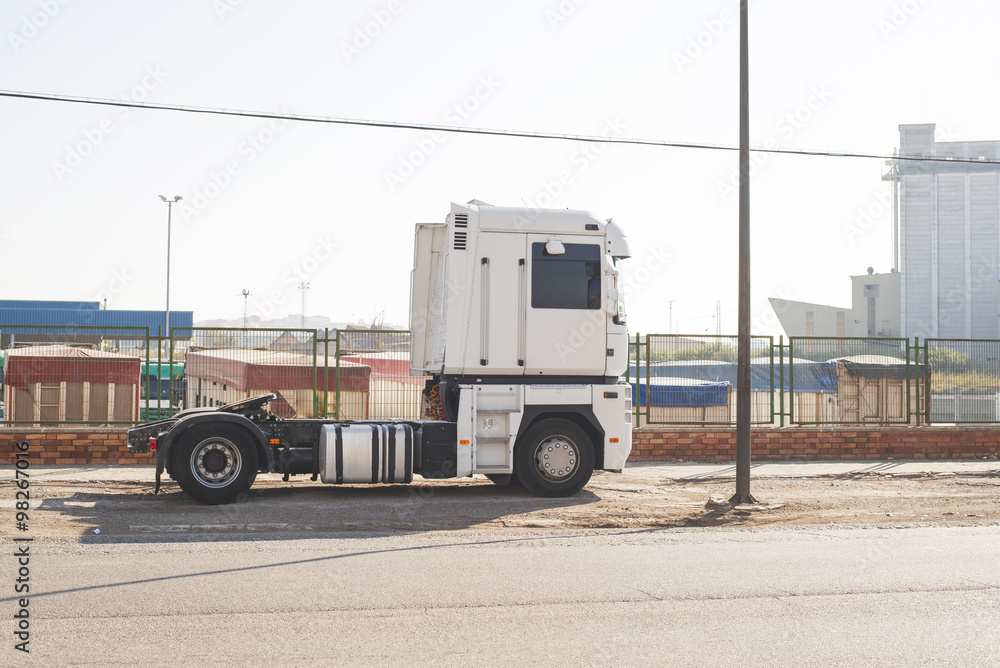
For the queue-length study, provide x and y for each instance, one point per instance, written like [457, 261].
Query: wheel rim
[216, 462]
[556, 458]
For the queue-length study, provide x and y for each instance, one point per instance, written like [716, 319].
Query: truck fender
[164, 446]
[582, 414]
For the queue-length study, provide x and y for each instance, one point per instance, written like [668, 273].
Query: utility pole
[670, 327]
[742, 494]
[303, 286]
[170, 206]
[246, 294]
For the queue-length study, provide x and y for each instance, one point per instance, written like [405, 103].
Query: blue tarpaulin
[681, 393]
[809, 376]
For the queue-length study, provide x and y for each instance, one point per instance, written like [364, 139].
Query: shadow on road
[123, 513]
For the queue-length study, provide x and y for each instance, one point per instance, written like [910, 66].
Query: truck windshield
[159, 388]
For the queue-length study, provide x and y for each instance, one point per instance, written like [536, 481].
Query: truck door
[495, 346]
[565, 324]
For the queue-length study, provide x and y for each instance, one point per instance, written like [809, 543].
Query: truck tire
[215, 463]
[554, 458]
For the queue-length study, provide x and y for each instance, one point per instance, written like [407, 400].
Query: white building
[946, 251]
[874, 311]
[948, 235]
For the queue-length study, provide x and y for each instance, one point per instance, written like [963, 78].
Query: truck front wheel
[215, 463]
[554, 458]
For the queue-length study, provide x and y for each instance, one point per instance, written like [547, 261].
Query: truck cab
[517, 315]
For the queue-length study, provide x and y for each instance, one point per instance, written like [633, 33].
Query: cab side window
[570, 280]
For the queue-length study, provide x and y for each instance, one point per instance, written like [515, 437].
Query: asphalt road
[715, 597]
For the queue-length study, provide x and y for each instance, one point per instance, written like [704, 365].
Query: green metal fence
[691, 379]
[964, 386]
[126, 375]
[843, 380]
[382, 359]
[223, 365]
[73, 374]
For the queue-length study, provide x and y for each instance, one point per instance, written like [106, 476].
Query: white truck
[517, 316]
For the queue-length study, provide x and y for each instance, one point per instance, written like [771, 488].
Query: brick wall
[818, 443]
[107, 446]
[72, 446]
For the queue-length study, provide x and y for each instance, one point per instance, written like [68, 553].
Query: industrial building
[945, 251]
[29, 321]
[949, 235]
[874, 311]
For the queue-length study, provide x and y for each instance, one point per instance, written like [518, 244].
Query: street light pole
[303, 286]
[170, 206]
[246, 294]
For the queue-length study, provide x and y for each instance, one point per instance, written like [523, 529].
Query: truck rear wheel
[214, 464]
[554, 458]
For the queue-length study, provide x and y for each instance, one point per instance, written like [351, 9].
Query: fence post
[916, 356]
[336, 394]
[770, 349]
[146, 417]
[315, 365]
[636, 407]
[648, 384]
[791, 381]
[326, 370]
[927, 384]
[781, 380]
[908, 353]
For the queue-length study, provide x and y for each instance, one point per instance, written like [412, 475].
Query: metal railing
[684, 379]
[73, 374]
[843, 380]
[965, 384]
[82, 374]
[223, 365]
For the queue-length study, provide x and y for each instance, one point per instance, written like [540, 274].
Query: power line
[400, 125]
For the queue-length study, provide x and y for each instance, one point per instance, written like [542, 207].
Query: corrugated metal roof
[58, 351]
[74, 321]
[35, 303]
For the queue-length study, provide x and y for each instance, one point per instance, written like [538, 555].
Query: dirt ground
[130, 511]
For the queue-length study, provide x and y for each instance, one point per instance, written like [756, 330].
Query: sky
[268, 205]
